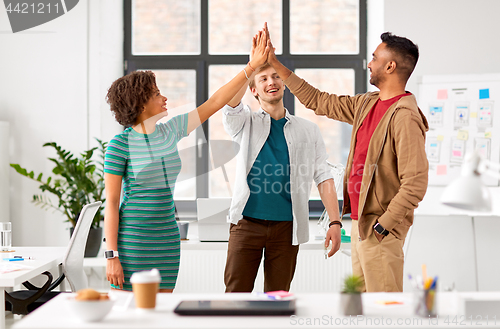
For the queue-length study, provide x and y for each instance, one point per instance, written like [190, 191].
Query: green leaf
[19, 169]
[39, 178]
[31, 174]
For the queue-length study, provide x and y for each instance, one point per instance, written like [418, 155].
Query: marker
[13, 259]
[413, 282]
[424, 272]
[433, 286]
[428, 283]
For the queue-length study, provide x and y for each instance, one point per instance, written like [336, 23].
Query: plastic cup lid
[152, 276]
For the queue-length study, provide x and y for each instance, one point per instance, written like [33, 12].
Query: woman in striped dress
[142, 230]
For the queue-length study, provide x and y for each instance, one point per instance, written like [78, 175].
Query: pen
[420, 282]
[273, 297]
[428, 283]
[433, 285]
[413, 282]
[424, 272]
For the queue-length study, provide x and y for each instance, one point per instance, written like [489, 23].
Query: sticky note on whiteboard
[463, 135]
[457, 153]
[484, 93]
[442, 94]
[440, 138]
[487, 134]
[441, 170]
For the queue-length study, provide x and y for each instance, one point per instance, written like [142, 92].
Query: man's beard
[375, 81]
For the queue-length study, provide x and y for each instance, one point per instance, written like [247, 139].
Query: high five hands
[262, 36]
[260, 48]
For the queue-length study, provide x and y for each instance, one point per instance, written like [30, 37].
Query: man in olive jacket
[387, 168]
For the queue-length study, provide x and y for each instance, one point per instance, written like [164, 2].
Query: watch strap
[335, 222]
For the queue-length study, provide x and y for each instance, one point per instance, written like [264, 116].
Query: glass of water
[6, 236]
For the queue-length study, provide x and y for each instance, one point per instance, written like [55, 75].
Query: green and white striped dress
[148, 236]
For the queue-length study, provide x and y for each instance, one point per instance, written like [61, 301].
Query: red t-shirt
[363, 138]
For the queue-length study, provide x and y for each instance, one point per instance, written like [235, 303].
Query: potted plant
[350, 297]
[78, 181]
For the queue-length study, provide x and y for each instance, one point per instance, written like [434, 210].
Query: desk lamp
[468, 191]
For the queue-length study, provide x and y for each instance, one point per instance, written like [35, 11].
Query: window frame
[201, 63]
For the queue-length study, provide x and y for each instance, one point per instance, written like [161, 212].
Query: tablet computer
[236, 307]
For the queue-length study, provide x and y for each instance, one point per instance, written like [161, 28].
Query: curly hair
[128, 95]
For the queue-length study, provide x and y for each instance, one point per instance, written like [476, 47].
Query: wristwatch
[109, 254]
[380, 229]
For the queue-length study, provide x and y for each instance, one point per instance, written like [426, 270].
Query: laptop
[212, 219]
[236, 307]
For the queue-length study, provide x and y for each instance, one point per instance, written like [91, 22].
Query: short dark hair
[128, 95]
[405, 50]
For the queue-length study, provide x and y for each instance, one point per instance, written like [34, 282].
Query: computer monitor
[212, 219]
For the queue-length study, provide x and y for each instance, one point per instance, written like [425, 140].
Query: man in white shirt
[280, 155]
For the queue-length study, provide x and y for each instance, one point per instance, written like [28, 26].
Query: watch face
[109, 254]
[379, 228]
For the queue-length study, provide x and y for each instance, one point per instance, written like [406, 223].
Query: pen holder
[424, 301]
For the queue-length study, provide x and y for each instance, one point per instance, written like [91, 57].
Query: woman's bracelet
[335, 222]
[250, 66]
[246, 73]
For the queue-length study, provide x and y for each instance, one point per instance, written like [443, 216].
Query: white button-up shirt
[306, 150]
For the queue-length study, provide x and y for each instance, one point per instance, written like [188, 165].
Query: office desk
[313, 311]
[45, 258]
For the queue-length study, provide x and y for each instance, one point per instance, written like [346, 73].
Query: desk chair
[25, 301]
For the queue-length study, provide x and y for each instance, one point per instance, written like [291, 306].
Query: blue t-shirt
[269, 179]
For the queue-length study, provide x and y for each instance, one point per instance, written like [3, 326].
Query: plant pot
[93, 242]
[352, 304]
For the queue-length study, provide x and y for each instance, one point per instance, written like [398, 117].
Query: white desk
[45, 258]
[313, 311]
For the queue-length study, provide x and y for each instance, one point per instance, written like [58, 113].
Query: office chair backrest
[73, 260]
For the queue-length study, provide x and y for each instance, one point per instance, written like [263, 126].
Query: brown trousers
[380, 264]
[247, 241]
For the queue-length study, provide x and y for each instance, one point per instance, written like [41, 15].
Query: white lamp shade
[468, 193]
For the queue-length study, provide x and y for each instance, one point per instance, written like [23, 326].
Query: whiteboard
[460, 110]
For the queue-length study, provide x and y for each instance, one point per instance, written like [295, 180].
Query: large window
[196, 46]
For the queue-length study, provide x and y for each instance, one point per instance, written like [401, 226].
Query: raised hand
[254, 45]
[260, 49]
[271, 55]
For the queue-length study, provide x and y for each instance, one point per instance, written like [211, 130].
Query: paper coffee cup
[145, 287]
